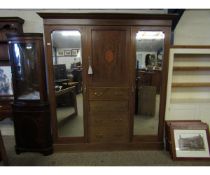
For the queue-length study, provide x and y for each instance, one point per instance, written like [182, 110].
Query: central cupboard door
[108, 86]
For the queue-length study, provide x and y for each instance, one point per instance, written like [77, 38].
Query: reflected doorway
[149, 55]
[67, 67]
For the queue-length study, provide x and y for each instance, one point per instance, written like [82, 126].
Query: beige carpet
[112, 158]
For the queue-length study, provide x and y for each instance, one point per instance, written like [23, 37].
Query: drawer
[111, 134]
[108, 106]
[108, 93]
[109, 120]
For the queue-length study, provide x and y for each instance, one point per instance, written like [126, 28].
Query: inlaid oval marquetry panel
[109, 50]
[109, 56]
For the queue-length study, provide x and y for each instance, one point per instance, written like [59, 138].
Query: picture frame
[6, 88]
[169, 123]
[74, 52]
[190, 141]
[60, 53]
[67, 53]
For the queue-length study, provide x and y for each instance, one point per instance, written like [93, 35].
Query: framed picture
[5, 81]
[67, 53]
[190, 141]
[170, 123]
[74, 52]
[60, 53]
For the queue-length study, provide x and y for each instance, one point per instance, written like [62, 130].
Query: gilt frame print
[191, 142]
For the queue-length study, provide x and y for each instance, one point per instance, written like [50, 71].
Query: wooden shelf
[194, 68]
[191, 100]
[191, 84]
[191, 46]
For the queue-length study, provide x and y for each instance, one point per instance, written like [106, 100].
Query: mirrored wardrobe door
[149, 50]
[67, 70]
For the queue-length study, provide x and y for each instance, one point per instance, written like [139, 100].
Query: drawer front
[109, 134]
[108, 93]
[109, 128]
[109, 120]
[108, 106]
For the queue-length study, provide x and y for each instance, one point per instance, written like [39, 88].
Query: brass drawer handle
[98, 94]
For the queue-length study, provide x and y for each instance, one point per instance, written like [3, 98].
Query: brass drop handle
[98, 94]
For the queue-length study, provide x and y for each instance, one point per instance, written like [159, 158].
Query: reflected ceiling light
[157, 35]
[28, 46]
[70, 33]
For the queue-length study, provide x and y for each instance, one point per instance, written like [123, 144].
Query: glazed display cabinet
[30, 108]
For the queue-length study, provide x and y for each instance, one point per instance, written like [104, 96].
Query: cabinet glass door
[25, 70]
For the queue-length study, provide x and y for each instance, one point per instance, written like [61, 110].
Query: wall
[34, 23]
[193, 28]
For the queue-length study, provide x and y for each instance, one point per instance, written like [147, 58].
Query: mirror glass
[149, 55]
[67, 66]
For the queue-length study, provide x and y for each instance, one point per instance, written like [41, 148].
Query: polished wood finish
[108, 46]
[8, 25]
[32, 128]
[137, 145]
[109, 56]
[105, 19]
[105, 40]
[108, 93]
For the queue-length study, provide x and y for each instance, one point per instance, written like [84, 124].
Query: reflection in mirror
[149, 54]
[67, 64]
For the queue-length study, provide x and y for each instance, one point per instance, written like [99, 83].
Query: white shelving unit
[188, 91]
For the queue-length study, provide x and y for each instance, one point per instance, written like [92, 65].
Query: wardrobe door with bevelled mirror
[149, 46]
[67, 68]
